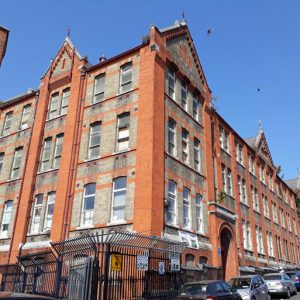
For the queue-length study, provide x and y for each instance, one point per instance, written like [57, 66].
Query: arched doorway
[226, 252]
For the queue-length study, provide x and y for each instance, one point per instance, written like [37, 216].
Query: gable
[62, 63]
[185, 57]
[263, 148]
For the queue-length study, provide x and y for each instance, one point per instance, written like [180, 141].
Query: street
[296, 297]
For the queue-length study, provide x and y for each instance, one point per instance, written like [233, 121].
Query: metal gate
[139, 273]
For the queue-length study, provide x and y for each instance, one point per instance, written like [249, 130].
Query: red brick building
[133, 143]
[3, 42]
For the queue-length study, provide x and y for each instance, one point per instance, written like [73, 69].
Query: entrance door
[225, 238]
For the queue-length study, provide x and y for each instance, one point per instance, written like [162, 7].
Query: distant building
[3, 42]
[294, 184]
[133, 143]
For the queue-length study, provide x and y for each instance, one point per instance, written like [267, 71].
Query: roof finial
[260, 125]
[183, 15]
[68, 32]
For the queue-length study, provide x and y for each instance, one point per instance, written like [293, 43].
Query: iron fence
[121, 265]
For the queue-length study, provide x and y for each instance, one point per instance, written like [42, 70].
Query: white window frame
[247, 238]
[262, 174]
[199, 213]
[87, 215]
[275, 214]
[251, 165]
[37, 214]
[54, 106]
[196, 105]
[266, 206]
[186, 208]
[49, 211]
[172, 205]
[46, 154]
[197, 155]
[119, 206]
[259, 240]
[171, 83]
[99, 88]
[58, 151]
[185, 146]
[126, 70]
[224, 136]
[92, 134]
[2, 154]
[6, 218]
[255, 200]
[16, 166]
[172, 141]
[25, 117]
[239, 153]
[65, 101]
[184, 96]
[123, 132]
[7, 123]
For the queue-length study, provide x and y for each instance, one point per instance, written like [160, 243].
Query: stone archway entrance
[226, 253]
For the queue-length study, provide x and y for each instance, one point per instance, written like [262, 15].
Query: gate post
[106, 271]
[58, 278]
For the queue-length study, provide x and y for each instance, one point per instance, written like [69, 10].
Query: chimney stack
[102, 59]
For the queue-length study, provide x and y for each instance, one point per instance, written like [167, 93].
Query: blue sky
[254, 44]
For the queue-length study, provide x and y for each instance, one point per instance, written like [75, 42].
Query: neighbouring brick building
[133, 143]
[3, 42]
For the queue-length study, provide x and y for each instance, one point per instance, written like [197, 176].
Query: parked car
[22, 296]
[280, 284]
[295, 276]
[251, 287]
[209, 290]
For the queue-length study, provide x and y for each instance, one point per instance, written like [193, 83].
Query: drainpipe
[213, 150]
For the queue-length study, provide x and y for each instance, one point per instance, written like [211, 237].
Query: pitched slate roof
[294, 183]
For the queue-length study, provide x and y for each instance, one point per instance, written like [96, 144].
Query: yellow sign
[116, 262]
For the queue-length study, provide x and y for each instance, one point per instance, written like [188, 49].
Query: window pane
[65, 101]
[120, 198]
[124, 120]
[126, 78]
[120, 183]
[89, 203]
[90, 189]
[99, 88]
[123, 133]
[119, 213]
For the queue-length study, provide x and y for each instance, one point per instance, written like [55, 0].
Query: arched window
[25, 116]
[65, 101]
[36, 214]
[171, 212]
[203, 260]
[171, 83]
[16, 166]
[186, 208]
[119, 199]
[126, 78]
[6, 216]
[172, 137]
[88, 203]
[189, 260]
[53, 106]
[94, 140]
[123, 131]
[99, 88]
[49, 211]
